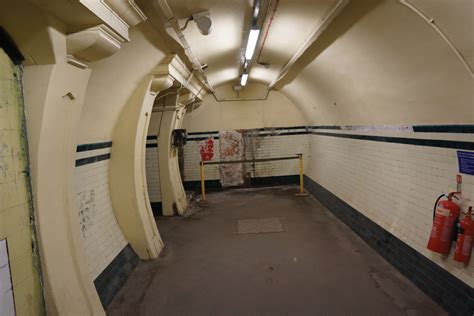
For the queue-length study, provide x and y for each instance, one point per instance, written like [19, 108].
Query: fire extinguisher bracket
[465, 238]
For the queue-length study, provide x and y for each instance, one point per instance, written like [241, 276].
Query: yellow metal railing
[297, 156]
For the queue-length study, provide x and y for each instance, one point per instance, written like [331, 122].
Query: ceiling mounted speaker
[203, 22]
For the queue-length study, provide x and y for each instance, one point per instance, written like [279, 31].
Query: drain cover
[259, 226]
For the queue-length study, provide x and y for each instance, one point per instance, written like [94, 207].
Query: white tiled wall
[192, 157]
[267, 146]
[395, 185]
[103, 238]
[277, 146]
[153, 174]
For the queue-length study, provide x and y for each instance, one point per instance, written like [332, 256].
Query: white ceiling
[221, 50]
[294, 21]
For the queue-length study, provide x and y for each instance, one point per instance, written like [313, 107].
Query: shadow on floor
[266, 252]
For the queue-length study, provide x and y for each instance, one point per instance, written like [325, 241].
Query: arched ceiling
[379, 62]
[373, 61]
[220, 50]
[285, 26]
[456, 19]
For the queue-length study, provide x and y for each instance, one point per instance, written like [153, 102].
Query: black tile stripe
[452, 128]
[283, 134]
[451, 293]
[336, 127]
[459, 129]
[89, 160]
[114, 276]
[152, 137]
[151, 145]
[407, 141]
[93, 146]
[258, 135]
[253, 182]
[157, 208]
[203, 133]
[279, 128]
[200, 138]
[264, 129]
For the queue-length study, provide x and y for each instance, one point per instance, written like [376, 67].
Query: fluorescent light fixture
[251, 43]
[243, 79]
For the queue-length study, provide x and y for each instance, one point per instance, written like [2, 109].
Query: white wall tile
[153, 174]
[102, 236]
[264, 147]
[395, 185]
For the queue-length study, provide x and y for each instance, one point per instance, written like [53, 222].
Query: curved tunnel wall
[380, 63]
[377, 64]
[111, 88]
[112, 83]
[274, 111]
[377, 87]
[273, 127]
[71, 117]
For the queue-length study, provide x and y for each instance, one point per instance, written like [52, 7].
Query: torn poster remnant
[231, 147]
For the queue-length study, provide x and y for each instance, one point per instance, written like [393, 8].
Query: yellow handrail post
[203, 181]
[301, 174]
[302, 193]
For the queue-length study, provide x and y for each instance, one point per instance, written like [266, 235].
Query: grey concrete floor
[316, 266]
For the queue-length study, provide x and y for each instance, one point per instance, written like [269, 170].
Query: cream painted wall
[54, 94]
[15, 203]
[114, 79]
[53, 120]
[276, 111]
[380, 63]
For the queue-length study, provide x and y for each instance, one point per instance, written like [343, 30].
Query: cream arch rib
[68, 287]
[127, 164]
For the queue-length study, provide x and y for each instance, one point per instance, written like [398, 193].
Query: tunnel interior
[273, 142]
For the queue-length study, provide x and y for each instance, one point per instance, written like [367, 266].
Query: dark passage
[266, 252]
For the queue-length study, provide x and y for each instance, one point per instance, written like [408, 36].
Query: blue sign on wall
[466, 162]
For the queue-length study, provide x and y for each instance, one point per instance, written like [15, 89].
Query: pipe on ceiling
[310, 40]
[166, 10]
[440, 32]
[267, 31]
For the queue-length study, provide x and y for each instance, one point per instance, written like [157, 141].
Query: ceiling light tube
[251, 43]
[243, 79]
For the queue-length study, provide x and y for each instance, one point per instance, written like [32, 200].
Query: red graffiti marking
[207, 149]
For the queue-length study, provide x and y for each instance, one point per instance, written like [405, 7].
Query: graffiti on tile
[87, 210]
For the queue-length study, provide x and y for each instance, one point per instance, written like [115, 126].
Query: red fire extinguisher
[445, 214]
[465, 238]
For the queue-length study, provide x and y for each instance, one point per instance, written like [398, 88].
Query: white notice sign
[7, 307]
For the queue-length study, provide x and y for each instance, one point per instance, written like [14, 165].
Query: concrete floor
[317, 266]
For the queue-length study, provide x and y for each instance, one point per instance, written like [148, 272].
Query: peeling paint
[231, 147]
[16, 203]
